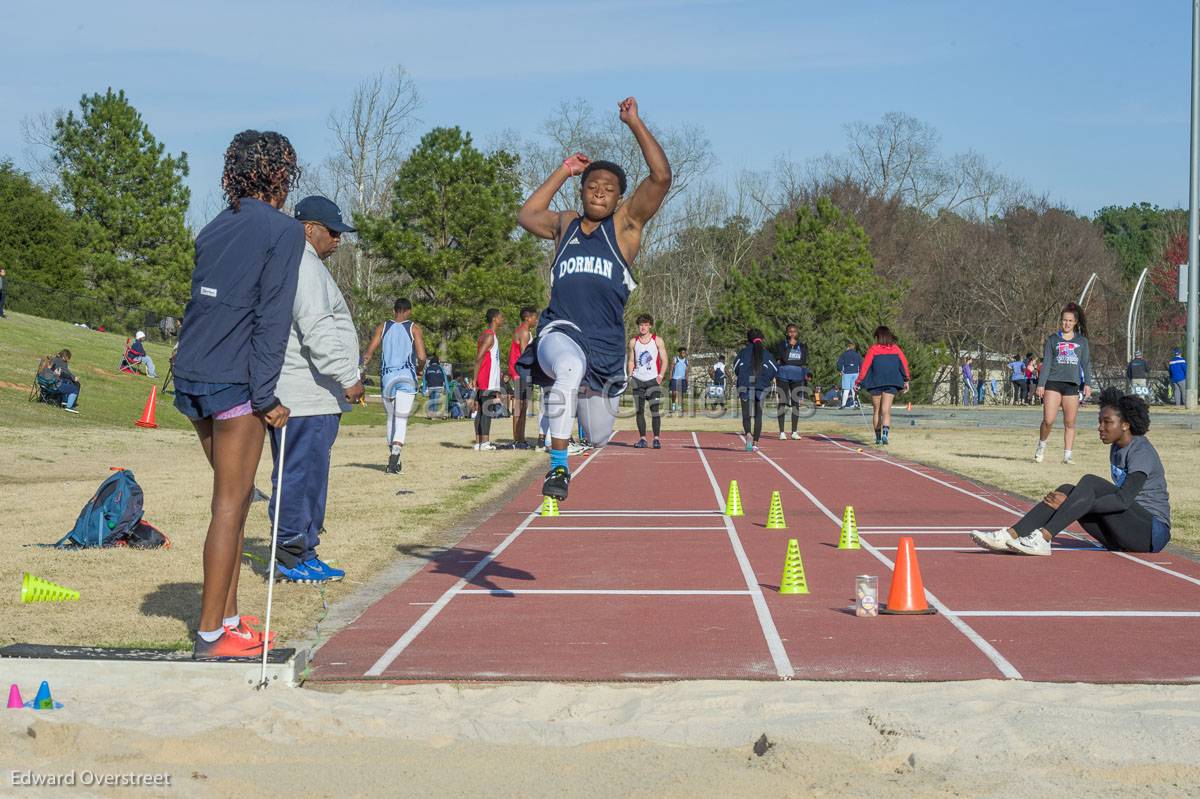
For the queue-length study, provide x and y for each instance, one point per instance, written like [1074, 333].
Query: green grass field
[107, 397]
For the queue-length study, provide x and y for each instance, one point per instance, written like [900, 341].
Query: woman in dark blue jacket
[754, 370]
[229, 359]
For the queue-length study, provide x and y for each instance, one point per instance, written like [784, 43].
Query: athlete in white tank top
[645, 358]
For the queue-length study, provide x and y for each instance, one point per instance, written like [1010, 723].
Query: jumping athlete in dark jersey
[580, 348]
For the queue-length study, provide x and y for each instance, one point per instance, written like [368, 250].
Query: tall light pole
[1193, 316]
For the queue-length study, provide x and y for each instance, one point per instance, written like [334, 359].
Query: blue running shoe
[297, 574]
[657, 444]
[641, 444]
[323, 571]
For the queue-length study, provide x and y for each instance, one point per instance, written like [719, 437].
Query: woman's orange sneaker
[231, 644]
[246, 625]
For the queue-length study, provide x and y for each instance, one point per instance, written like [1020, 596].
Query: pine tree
[820, 277]
[129, 198]
[449, 240]
[38, 243]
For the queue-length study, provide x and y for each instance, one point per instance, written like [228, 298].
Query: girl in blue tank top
[581, 334]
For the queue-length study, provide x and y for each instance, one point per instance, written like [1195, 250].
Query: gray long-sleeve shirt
[1062, 361]
[322, 349]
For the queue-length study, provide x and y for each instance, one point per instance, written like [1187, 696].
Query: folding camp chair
[129, 364]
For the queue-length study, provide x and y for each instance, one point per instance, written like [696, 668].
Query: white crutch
[262, 682]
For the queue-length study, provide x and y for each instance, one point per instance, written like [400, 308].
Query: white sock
[209, 637]
[232, 621]
[1041, 445]
[396, 448]
[1066, 453]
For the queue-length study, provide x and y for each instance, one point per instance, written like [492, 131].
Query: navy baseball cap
[324, 211]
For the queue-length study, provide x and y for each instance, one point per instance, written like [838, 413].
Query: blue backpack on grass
[112, 514]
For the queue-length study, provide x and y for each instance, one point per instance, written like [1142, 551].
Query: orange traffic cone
[907, 596]
[147, 419]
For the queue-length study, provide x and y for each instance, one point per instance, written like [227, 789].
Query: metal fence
[96, 312]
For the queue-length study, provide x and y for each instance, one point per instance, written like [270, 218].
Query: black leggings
[791, 392]
[487, 407]
[1130, 530]
[752, 400]
[648, 391]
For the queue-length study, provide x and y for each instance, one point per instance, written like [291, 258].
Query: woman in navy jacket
[229, 360]
[884, 374]
[754, 370]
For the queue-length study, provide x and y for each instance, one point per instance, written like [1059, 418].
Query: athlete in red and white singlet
[487, 378]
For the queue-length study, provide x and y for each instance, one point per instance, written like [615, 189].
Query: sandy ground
[671, 740]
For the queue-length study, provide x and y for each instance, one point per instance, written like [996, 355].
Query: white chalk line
[601, 592]
[1090, 614]
[402, 643]
[568, 527]
[783, 666]
[989, 651]
[981, 498]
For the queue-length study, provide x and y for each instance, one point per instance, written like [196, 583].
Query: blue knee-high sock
[558, 457]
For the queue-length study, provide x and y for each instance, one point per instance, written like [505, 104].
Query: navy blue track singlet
[589, 286]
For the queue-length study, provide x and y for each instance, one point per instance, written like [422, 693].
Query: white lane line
[783, 666]
[981, 498]
[925, 527]
[1091, 614]
[639, 513]
[568, 527]
[977, 549]
[992, 654]
[395, 650]
[600, 592]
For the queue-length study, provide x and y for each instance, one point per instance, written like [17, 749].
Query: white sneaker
[795, 436]
[1032, 544]
[1067, 456]
[1039, 452]
[486, 446]
[576, 449]
[782, 436]
[69, 410]
[995, 541]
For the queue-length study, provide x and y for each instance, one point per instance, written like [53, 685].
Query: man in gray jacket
[319, 382]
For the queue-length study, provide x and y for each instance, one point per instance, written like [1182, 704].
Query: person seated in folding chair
[45, 384]
[68, 384]
[135, 353]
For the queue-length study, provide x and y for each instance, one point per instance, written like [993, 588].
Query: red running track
[642, 578]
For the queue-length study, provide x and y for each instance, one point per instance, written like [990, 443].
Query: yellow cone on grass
[549, 506]
[733, 503]
[793, 581]
[849, 537]
[35, 589]
[775, 519]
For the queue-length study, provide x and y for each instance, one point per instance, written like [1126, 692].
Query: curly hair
[259, 164]
[1080, 322]
[1131, 408]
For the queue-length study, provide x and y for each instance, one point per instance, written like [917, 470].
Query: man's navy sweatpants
[305, 484]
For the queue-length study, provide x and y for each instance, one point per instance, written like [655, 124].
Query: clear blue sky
[1084, 101]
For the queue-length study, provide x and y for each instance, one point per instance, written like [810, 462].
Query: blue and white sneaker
[641, 444]
[323, 570]
[299, 573]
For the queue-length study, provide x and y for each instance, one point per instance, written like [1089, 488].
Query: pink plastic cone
[14, 697]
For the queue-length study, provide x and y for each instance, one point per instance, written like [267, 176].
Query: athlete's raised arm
[649, 195]
[535, 215]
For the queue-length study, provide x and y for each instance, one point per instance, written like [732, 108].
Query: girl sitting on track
[1134, 515]
[754, 369]
[884, 374]
[1064, 359]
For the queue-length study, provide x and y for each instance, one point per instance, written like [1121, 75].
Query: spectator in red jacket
[884, 375]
